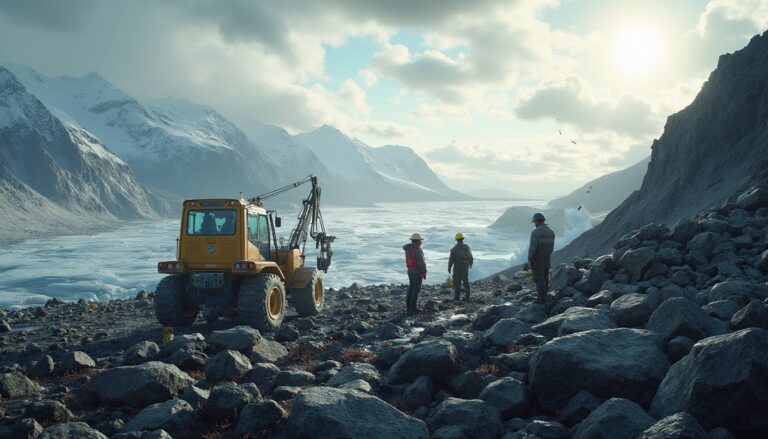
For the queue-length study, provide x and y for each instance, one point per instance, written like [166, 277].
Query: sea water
[367, 250]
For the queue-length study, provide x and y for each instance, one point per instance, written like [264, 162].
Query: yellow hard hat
[459, 236]
[416, 237]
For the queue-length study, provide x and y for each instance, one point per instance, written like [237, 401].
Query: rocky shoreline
[667, 337]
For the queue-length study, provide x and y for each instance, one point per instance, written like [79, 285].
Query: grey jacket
[542, 243]
[420, 261]
[461, 256]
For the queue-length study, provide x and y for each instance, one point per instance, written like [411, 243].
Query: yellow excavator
[230, 262]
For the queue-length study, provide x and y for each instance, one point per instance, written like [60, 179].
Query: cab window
[211, 222]
[263, 236]
[253, 228]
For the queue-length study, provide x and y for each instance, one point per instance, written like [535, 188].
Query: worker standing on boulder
[539, 252]
[460, 262]
[417, 271]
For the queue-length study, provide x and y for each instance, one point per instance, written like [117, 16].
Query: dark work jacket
[542, 243]
[461, 256]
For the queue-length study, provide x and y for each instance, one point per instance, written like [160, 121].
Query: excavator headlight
[251, 266]
[237, 266]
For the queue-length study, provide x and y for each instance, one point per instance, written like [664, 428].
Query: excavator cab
[230, 262]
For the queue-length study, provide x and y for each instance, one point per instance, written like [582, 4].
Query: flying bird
[560, 131]
[573, 141]
[578, 209]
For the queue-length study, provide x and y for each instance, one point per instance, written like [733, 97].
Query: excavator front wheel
[171, 308]
[310, 300]
[262, 302]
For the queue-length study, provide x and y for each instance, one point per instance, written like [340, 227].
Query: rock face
[464, 418]
[140, 385]
[615, 418]
[682, 178]
[435, 359]
[621, 362]
[733, 367]
[342, 414]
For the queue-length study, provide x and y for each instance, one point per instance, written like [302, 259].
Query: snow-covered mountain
[173, 146]
[54, 173]
[361, 172]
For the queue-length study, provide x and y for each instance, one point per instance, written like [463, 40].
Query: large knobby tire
[171, 308]
[262, 302]
[310, 300]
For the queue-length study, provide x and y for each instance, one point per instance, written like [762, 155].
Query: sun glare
[638, 50]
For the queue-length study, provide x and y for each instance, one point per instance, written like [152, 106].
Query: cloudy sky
[531, 96]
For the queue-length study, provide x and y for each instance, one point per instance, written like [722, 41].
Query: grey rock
[284, 393]
[436, 359]
[226, 401]
[680, 316]
[722, 309]
[74, 361]
[731, 366]
[679, 347]
[239, 338]
[140, 385]
[5, 326]
[762, 263]
[227, 365]
[635, 262]
[754, 315]
[293, 378]
[347, 414]
[506, 332]
[389, 331]
[601, 297]
[71, 430]
[677, 426]
[16, 385]
[469, 418]
[267, 351]
[287, 333]
[41, 368]
[546, 429]
[509, 396]
[359, 385]
[420, 393]
[187, 359]
[258, 418]
[565, 276]
[704, 243]
[720, 433]
[627, 363]
[684, 231]
[615, 418]
[468, 385]
[632, 309]
[162, 415]
[355, 371]
[753, 199]
[194, 341]
[195, 396]
[23, 429]
[141, 352]
[579, 407]
[48, 411]
[573, 320]
[262, 374]
[741, 292]
[517, 361]
[591, 282]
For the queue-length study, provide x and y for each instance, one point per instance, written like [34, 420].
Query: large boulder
[239, 338]
[739, 291]
[267, 351]
[71, 430]
[680, 316]
[506, 332]
[592, 281]
[487, 317]
[635, 262]
[754, 315]
[436, 359]
[753, 199]
[355, 371]
[573, 320]
[509, 396]
[722, 382]
[622, 362]
[166, 415]
[615, 419]
[470, 418]
[677, 426]
[141, 352]
[227, 365]
[226, 400]
[17, 385]
[704, 243]
[632, 309]
[579, 407]
[420, 393]
[74, 361]
[344, 414]
[258, 418]
[140, 385]
[48, 411]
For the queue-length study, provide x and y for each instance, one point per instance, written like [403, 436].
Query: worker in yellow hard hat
[460, 262]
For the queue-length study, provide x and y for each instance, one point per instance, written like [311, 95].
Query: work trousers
[414, 287]
[541, 278]
[460, 277]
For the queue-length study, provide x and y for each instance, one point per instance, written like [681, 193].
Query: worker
[417, 271]
[539, 252]
[460, 262]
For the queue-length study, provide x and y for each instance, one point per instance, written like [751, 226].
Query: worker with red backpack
[417, 271]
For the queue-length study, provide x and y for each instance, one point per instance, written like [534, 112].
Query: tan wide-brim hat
[416, 237]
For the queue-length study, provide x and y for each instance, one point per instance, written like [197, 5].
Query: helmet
[538, 217]
[459, 236]
[416, 237]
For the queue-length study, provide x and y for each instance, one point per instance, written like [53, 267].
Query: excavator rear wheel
[171, 308]
[310, 300]
[262, 302]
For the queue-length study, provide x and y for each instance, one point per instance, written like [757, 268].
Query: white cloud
[368, 77]
[353, 97]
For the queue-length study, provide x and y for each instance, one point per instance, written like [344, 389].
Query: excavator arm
[309, 222]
